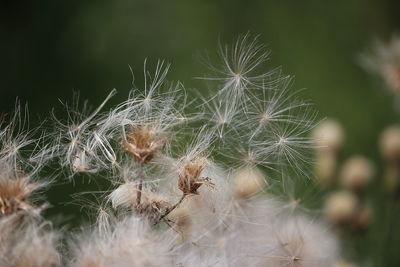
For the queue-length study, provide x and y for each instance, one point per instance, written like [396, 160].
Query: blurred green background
[50, 48]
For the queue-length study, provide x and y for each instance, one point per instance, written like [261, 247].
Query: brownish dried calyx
[14, 194]
[189, 178]
[142, 143]
[189, 182]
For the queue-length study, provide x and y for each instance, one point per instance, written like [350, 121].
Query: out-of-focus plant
[362, 197]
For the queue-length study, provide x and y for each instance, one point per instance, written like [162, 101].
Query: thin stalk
[168, 211]
[139, 187]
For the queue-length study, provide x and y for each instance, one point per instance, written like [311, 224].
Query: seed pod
[141, 144]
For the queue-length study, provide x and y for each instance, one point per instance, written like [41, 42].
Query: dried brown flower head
[151, 206]
[189, 178]
[14, 194]
[141, 143]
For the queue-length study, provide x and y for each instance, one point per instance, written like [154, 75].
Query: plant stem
[139, 192]
[139, 187]
[169, 210]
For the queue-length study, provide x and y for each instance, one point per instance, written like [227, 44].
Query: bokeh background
[50, 48]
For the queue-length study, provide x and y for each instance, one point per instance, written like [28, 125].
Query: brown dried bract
[142, 144]
[189, 178]
[14, 194]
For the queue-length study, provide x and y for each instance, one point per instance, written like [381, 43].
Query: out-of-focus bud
[329, 134]
[340, 207]
[248, 181]
[390, 143]
[325, 168]
[356, 173]
[384, 61]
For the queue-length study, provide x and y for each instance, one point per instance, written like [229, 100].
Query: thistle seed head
[142, 144]
[189, 178]
[14, 194]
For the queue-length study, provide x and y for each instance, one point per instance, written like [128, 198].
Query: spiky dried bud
[356, 173]
[189, 177]
[340, 207]
[248, 181]
[142, 143]
[14, 195]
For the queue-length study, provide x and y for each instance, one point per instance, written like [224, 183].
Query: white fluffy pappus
[240, 66]
[77, 140]
[129, 242]
[25, 242]
[298, 241]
